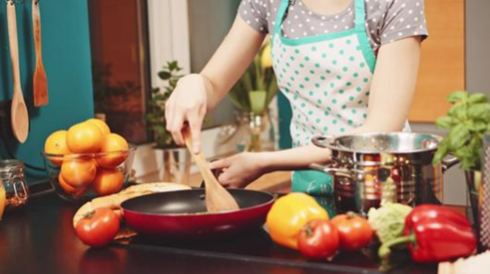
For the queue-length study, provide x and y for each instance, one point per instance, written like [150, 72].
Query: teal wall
[67, 61]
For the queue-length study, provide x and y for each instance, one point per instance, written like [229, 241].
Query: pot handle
[331, 170]
[322, 141]
[449, 162]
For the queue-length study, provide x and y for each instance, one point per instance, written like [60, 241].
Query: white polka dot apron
[326, 79]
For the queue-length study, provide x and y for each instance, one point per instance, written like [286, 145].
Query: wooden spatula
[40, 88]
[217, 197]
[19, 115]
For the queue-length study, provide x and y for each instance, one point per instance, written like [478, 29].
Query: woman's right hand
[187, 104]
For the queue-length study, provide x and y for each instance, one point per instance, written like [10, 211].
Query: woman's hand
[196, 94]
[188, 103]
[241, 169]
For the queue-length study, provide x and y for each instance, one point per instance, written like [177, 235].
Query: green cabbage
[388, 220]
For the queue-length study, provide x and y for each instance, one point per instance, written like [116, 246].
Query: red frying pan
[182, 214]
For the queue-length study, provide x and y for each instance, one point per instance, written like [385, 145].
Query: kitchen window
[121, 65]
[132, 41]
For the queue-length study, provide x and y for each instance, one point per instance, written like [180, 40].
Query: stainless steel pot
[374, 168]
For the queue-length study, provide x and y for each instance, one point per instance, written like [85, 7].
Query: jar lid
[10, 165]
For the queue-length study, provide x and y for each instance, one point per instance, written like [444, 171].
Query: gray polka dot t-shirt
[386, 20]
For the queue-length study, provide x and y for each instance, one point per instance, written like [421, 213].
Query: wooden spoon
[19, 116]
[40, 88]
[217, 197]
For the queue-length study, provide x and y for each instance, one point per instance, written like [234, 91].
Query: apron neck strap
[280, 15]
[360, 13]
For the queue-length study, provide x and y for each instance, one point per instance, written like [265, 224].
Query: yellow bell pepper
[288, 215]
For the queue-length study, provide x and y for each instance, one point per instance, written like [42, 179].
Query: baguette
[114, 201]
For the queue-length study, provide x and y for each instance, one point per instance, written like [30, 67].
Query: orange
[56, 144]
[115, 148]
[108, 181]
[78, 172]
[84, 137]
[69, 189]
[101, 125]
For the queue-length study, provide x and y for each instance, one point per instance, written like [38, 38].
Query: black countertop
[40, 239]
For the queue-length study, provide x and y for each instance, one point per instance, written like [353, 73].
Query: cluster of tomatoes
[87, 155]
[322, 238]
[297, 221]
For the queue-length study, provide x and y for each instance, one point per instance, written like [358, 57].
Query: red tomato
[98, 228]
[318, 239]
[354, 231]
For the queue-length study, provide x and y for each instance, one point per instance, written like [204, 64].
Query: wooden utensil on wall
[40, 82]
[19, 115]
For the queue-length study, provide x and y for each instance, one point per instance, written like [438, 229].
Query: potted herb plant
[176, 160]
[252, 95]
[468, 120]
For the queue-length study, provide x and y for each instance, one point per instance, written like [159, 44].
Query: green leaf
[476, 98]
[458, 136]
[446, 122]
[272, 91]
[257, 101]
[247, 81]
[173, 65]
[457, 96]
[442, 151]
[477, 126]
[258, 73]
[164, 75]
[440, 154]
[479, 111]
[159, 128]
[458, 110]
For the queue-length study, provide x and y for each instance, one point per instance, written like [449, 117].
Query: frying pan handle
[323, 141]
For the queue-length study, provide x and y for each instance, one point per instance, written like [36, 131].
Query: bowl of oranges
[87, 161]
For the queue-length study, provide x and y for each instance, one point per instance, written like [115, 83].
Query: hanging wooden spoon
[40, 88]
[217, 197]
[19, 116]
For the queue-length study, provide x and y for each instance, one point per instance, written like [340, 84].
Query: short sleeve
[403, 18]
[254, 13]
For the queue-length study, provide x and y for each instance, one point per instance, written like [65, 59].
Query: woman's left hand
[241, 169]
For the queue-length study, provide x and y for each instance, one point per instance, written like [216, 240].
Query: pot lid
[399, 142]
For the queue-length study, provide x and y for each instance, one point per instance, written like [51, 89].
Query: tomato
[354, 231]
[98, 228]
[318, 239]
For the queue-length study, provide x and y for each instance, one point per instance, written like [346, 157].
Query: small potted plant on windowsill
[468, 120]
[176, 160]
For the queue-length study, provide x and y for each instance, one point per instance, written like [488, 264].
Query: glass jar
[250, 132]
[14, 184]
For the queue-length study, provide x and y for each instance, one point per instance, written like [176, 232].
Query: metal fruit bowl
[81, 177]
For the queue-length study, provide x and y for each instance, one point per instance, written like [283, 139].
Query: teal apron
[326, 79]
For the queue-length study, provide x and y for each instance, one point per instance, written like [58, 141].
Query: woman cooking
[346, 66]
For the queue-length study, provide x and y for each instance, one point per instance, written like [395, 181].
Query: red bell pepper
[433, 234]
[429, 211]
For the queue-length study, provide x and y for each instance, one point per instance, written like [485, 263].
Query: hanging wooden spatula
[40, 88]
[19, 115]
[217, 197]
